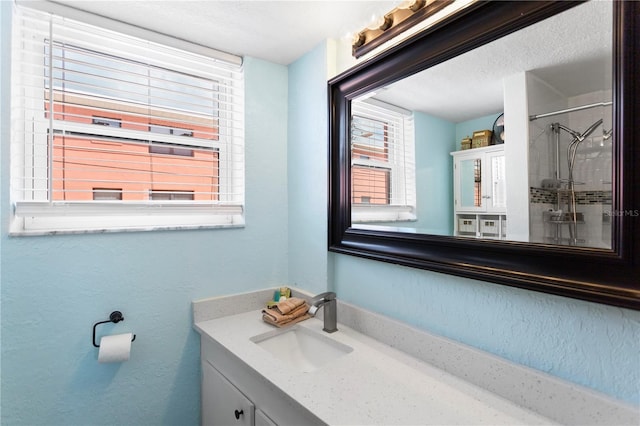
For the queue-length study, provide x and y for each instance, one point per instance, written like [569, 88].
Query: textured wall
[307, 170]
[593, 345]
[54, 288]
[434, 168]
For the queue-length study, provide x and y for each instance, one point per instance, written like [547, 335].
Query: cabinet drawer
[466, 224]
[489, 226]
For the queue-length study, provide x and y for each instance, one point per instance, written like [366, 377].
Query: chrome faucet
[328, 300]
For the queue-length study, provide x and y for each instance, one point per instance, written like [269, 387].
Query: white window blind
[382, 162]
[97, 113]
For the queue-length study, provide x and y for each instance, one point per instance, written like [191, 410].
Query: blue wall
[307, 167]
[434, 174]
[466, 128]
[593, 345]
[55, 288]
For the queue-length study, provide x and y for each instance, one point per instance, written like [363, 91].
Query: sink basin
[301, 348]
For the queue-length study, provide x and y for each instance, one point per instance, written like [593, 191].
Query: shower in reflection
[566, 211]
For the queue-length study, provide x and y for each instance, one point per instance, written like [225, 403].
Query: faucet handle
[328, 300]
[324, 297]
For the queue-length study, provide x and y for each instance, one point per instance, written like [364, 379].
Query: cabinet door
[469, 189]
[222, 403]
[496, 188]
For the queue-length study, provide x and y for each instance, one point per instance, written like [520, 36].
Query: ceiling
[276, 31]
[571, 52]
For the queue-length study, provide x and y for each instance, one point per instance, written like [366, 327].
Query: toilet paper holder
[115, 317]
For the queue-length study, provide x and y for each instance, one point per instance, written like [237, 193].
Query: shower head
[590, 130]
[573, 133]
[577, 139]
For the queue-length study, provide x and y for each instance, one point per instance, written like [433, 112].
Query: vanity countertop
[373, 384]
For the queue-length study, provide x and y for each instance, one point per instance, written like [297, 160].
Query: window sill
[43, 218]
[382, 213]
[40, 233]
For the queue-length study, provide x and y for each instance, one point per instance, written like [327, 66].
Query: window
[477, 182]
[170, 150]
[107, 194]
[160, 195]
[94, 109]
[170, 130]
[102, 121]
[382, 162]
[161, 148]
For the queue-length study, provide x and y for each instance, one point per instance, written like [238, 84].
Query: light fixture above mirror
[400, 19]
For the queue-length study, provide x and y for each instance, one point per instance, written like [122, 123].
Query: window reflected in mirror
[383, 183]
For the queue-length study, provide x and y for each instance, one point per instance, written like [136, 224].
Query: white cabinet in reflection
[480, 192]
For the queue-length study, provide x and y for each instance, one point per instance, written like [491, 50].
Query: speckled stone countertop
[397, 374]
[373, 384]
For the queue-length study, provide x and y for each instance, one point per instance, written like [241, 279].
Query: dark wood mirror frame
[603, 276]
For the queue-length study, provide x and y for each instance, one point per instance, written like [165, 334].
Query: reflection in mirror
[383, 183]
[509, 141]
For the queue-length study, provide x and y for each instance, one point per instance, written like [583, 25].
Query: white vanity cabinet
[480, 192]
[234, 394]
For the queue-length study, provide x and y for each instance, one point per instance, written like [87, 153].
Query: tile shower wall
[592, 171]
[546, 196]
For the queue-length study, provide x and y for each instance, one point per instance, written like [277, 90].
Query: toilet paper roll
[115, 348]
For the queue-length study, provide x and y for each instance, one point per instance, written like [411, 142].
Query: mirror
[493, 145]
[427, 154]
